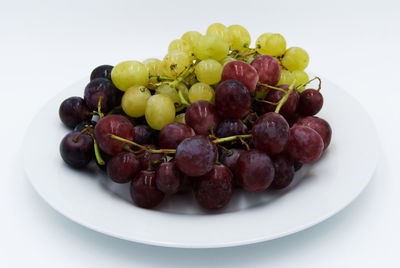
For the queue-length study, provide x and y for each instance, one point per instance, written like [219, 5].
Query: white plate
[318, 191]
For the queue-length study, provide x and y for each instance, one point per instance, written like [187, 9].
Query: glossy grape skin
[221, 30]
[240, 37]
[321, 126]
[287, 78]
[74, 110]
[295, 58]
[214, 189]
[231, 127]
[284, 171]
[202, 117]
[289, 108]
[175, 62]
[181, 45]
[168, 178]
[113, 124]
[272, 44]
[271, 133]
[243, 72]
[134, 101]
[211, 46]
[102, 71]
[129, 73]
[254, 170]
[143, 134]
[301, 77]
[311, 102]
[232, 100]
[172, 134]
[160, 111]
[150, 161]
[144, 191]
[230, 160]
[79, 153]
[195, 156]
[123, 167]
[208, 71]
[305, 144]
[269, 71]
[101, 87]
[82, 125]
[201, 91]
[192, 37]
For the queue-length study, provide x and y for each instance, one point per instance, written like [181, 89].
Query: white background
[47, 45]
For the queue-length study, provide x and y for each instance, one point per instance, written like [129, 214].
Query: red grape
[143, 134]
[173, 134]
[320, 126]
[76, 153]
[149, 161]
[241, 71]
[101, 87]
[202, 117]
[284, 171]
[73, 111]
[168, 178]
[231, 127]
[123, 167]
[305, 144]
[268, 69]
[289, 108]
[311, 102]
[144, 191]
[232, 100]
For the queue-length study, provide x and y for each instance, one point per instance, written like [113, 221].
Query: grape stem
[308, 82]
[160, 77]
[75, 139]
[97, 154]
[272, 87]
[231, 138]
[182, 98]
[182, 76]
[269, 102]
[228, 152]
[285, 97]
[99, 106]
[143, 147]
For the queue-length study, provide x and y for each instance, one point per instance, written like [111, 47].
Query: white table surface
[47, 45]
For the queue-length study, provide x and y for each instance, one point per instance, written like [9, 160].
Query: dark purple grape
[77, 151]
[102, 71]
[241, 71]
[269, 71]
[232, 100]
[297, 165]
[305, 144]
[254, 170]
[195, 156]
[202, 117]
[144, 192]
[113, 124]
[271, 133]
[185, 184]
[150, 161]
[229, 159]
[123, 167]
[143, 134]
[231, 127]
[82, 125]
[172, 134]
[101, 87]
[73, 111]
[214, 189]
[320, 126]
[284, 171]
[288, 109]
[169, 178]
[311, 102]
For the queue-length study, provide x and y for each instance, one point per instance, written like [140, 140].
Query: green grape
[272, 44]
[180, 118]
[175, 62]
[240, 37]
[129, 73]
[154, 66]
[181, 87]
[300, 76]
[295, 58]
[134, 100]
[211, 46]
[220, 30]
[160, 111]
[181, 45]
[201, 91]
[191, 37]
[287, 78]
[168, 91]
[208, 71]
[227, 59]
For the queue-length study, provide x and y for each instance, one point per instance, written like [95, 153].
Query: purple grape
[311, 102]
[123, 167]
[268, 69]
[168, 178]
[82, 125]
[232, 100]
[143, 134]
[150, 161]
[320, 126]
[195, 156]
[230, 160]
[241, 71]
[284, 171]
[271, 133]
[73, 111]
[305, 144]
[102, 71]
[231, 127]
[288, 109]
[101, 87]
[144, 192]
[202, 117]
[172, 134]
[76, 151]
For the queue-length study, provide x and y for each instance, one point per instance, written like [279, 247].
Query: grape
[242, 72]
[272, 44]
[269, 71]
[123, 167]
[195, 156]
[305, 144]
[211, 46]
[82, 125]
[180, 118]
[181, 45]
[191, 37]
[230, 160]
[181, 87]
[284, 171]
[134, 101]
[129, 73]
[201, 91]
[101, 87]
[214, 189]
[175, 62]
[202, 117]
[153, 66]
[220, 30]
[208, 71]
[172, 134]
[231, 127]
[113, 124]
[320, 126]
[226, 60]
[143, 134]
[150, 161]
[240, 37]
[254, 170]
[271, 133]
[78, 152]
[289, 108]
[311, 102]
[74, 110]
[102, 71]
[160, 111]
[170, 92]
[301, 77]
[168, 178]
[286, 78]
[144, 191]
[295, 58]
[232, 99]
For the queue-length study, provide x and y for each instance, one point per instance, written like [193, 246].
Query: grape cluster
[213, 115]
